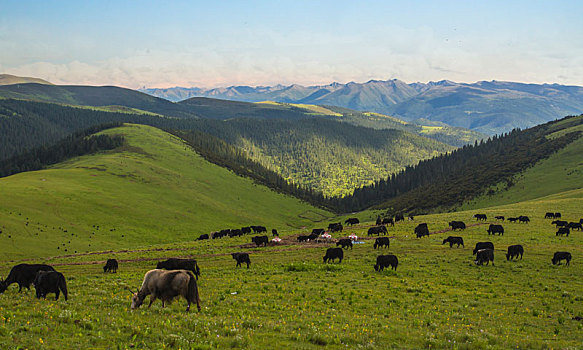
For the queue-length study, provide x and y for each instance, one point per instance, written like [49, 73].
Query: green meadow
[155, 190]
[153, 198]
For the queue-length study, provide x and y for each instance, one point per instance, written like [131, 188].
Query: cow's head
[137, 299]
[376, 267]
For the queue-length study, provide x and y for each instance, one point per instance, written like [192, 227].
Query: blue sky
[222, 43]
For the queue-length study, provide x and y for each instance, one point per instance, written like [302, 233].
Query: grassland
[155, 190]
[437, 298]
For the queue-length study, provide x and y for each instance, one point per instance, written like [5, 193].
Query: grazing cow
[381, 242]
[377, 230]
[345, 243]
[379, 221]
[24, 275]
[50, 282]
[483, 245]
[560, 223]
[302, 238]
[318, 231]
[484, 256]
[421, 230]
[388, 221]
[499, 217]
[259, 240]
[335, 227]
[575, 226]
[454, 240]
[512, 219]
[481, 217]
[180, 264]
[549, 215]
[167, 285]
[399, 217]
[557, 215]
[523, 218]
[236, 233]
[352, 221]
[386, 261]
[203, 236]
[241, 258]
[493, 229]
[274, 233]
[558, 256]
[514, 251]
[563, 231]
[258, 229]
[110, 266]
[246, 230]
[333, 253]
[457, 225]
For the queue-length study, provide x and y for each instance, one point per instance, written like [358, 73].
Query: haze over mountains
[490, 107]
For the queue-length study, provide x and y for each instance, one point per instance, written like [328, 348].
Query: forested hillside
[327, 156]
[451, 179]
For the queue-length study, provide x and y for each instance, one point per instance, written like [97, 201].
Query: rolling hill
[490, 107]
[562, 172]
[153, 190]
[7, 79]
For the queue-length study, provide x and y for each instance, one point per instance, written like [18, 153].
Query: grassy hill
[7, 79]
[97, 96]
[289, 299]
[562, 171]
[155, 190]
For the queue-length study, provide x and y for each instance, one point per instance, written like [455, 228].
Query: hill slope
[7, 79]
[154, 190]
[561, 172]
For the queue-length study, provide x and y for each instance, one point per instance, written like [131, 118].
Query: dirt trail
[289, 241]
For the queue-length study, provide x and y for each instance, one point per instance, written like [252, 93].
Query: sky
[210, 44]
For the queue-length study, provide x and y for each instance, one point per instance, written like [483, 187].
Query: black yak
[50, 282]
[110, 266]
[241, 258]
[334, 253]
[24, 275]
[558, 256]
[514, 251]
[484, 256]
[180, 264]
[381, 242]
[386, 261]
[345, 243]
[454, 240]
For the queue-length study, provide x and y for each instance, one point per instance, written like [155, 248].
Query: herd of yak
[177, 277]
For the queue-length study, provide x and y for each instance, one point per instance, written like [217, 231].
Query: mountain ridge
[491, 107]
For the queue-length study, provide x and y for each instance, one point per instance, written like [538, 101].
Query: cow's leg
[57, 294]
[152, 298]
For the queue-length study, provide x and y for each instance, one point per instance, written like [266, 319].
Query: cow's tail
[63, 286]
[197, 270]
[193, 291]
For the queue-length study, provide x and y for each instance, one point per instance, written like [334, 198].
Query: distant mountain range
[489, 107]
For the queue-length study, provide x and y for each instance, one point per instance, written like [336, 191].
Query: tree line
[75, 145]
